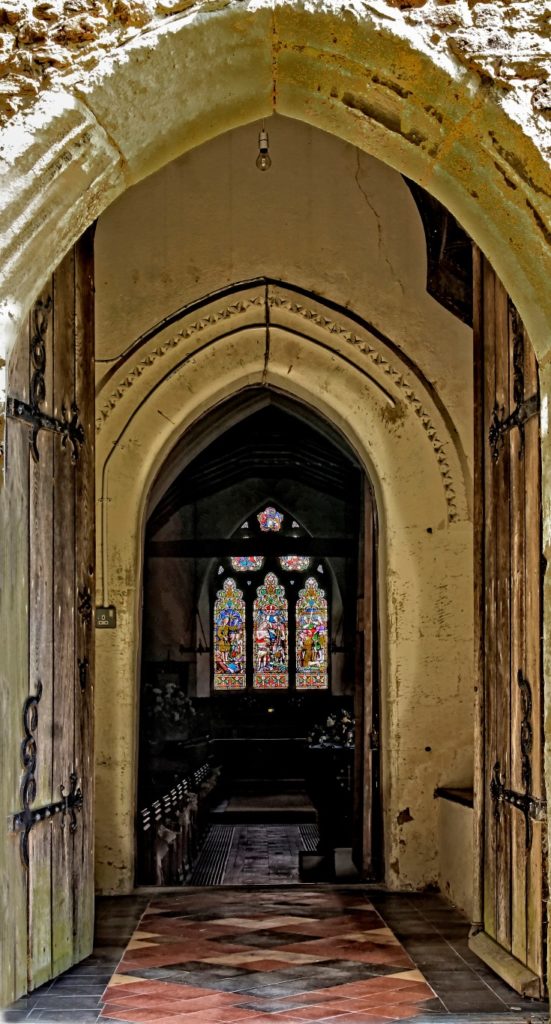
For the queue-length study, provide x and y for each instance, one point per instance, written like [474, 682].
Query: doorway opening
[259, 675]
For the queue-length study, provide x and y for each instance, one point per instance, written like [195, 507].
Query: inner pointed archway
[261, 673]
[333, 366]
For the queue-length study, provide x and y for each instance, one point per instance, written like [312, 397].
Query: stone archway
[406, 443]
[386, 81]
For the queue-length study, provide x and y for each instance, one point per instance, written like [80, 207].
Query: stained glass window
[311, 637]
[229, 638]
[270, 631]
[270, 519]
[294, 563]
[246, 563]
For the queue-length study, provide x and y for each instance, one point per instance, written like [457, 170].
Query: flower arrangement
[168, 708]
[337, 731]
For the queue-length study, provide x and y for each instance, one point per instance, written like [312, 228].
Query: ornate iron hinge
[68, 804]
[501, 424]
[84, 603]
[83, 666]
[525, 408]
[533, 808]
[69, 426]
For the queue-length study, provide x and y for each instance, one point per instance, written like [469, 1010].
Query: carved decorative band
[380, 361]
[404, 386]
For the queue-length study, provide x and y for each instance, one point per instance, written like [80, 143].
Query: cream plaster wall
[345, 226]
[455, 842]
[325, 217]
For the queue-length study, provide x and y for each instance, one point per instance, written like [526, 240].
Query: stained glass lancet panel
[270, 636]
[311, 637]
[229, 638]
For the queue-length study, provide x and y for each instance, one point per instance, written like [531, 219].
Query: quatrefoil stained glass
[270, 519]
[294, 563]
[246, 563]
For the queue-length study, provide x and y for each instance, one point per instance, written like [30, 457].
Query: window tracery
[275, 635]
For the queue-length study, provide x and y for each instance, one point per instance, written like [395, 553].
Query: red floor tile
[181, 940]
[136, 1016]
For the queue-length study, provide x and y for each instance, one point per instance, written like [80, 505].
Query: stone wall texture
[508, 44]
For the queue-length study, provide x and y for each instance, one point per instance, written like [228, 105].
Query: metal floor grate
[310, 837]
[211, 866]
[249, 842]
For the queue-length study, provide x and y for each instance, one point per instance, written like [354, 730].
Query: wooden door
[50, 451]
[511, 800]
[366, 706]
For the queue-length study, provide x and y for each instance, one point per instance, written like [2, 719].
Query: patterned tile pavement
[432, 932]
[217, 957]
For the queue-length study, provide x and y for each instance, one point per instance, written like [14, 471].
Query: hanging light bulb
[263, 161]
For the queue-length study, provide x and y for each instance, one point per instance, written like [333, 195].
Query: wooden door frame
[368, 830]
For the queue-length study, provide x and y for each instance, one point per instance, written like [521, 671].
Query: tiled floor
[279, 956]
[220, 957]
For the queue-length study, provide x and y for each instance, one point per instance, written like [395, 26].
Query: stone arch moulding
[271, 336]
[411, 87]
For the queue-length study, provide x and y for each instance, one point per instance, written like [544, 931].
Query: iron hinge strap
[26, 819]
[533, 808]
[69, 428]
[501, 424]
[68, 804]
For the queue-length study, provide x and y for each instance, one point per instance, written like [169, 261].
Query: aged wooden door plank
[84, 589]
[50, 891]
[479, 517]
[14, 676]
[490, 554]
[41, 643]
[519, 887]
[536, 868]
[511, 901]
[64, 613]
[501, 469]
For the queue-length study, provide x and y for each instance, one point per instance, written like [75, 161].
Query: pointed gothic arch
[368, 79]
[370, 379]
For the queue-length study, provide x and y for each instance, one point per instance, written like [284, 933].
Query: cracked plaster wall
[345, 226]
[326, 217]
